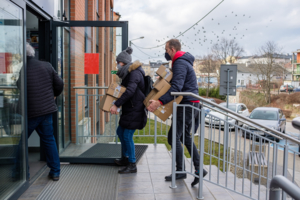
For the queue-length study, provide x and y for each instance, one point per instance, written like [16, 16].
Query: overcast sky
[251, 22]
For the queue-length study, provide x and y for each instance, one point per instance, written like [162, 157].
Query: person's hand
[54, 98]
[154, 104]
[114, 110]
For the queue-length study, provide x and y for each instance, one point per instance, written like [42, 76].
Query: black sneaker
[178, 176]
[53, 177]
[196, 180]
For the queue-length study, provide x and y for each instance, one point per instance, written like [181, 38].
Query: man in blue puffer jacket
[184, 80]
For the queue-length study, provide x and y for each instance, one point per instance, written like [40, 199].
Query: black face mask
[168, 57]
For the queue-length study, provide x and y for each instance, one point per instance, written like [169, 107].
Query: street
[291, 130]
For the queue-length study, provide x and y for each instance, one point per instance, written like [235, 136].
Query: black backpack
[148, 85]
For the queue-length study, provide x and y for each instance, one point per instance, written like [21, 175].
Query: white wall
[246, 77]
[262, 60]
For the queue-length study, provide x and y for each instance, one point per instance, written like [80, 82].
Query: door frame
[23, 186]
[54, 61]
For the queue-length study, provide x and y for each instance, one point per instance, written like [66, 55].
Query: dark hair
[175, 44]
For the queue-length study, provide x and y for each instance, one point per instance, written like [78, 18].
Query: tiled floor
[149, 183]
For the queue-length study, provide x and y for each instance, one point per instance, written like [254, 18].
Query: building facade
[296, 65]
[278, 58]
[64, 33]
[249, 75]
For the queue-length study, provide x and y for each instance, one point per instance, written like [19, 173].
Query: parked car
[207, 110]
[283, 88]
[267, 116]
[239, 108]
[296, 89]
[296, 125]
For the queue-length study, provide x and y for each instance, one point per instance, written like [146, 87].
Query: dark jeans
[187, 137]
[127, 144]
[197, 118]
[44, 127]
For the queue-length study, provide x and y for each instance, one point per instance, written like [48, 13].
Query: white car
[214, 117]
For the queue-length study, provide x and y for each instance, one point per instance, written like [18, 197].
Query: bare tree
[265, 67]
[208, 66]
[227, 50]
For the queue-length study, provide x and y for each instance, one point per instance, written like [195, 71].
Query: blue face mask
[168, 57]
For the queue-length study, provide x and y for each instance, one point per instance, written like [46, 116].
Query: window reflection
[11, 120]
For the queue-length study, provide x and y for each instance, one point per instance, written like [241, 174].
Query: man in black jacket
[184, 80]
[43, 86]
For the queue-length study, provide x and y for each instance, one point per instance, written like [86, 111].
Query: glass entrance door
[12, 92]
[84, 55]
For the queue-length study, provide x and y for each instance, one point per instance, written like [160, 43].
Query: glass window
[244, 108]
[67, 9]
[118, 36]
[264, 114]
[230, 107]
[239, 108]
[11, 98]
[111, 32]
[57, 9]
[86, 9]
[97, 6]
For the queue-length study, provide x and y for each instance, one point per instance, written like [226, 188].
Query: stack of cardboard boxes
[114, 92]
[161, 86]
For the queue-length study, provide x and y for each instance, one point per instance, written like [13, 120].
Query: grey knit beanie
[125, 56]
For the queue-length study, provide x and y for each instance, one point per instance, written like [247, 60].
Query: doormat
[112, 151]
[83, 181]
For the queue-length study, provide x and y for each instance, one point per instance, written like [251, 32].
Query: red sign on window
[91, 63]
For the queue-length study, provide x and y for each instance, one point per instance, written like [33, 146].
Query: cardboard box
[115, 90]
[107, 102]
[160, 84]
[165, 73]
[164, 111]
[155, 94]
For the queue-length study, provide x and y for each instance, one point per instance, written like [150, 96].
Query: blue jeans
[44, 127]
[127, 144]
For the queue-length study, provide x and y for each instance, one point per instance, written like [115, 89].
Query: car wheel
[277, 140]
[284, 129]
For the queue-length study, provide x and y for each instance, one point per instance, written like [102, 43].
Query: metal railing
[286, 185]
[235, 163]
[245, 166]
[89, 117]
